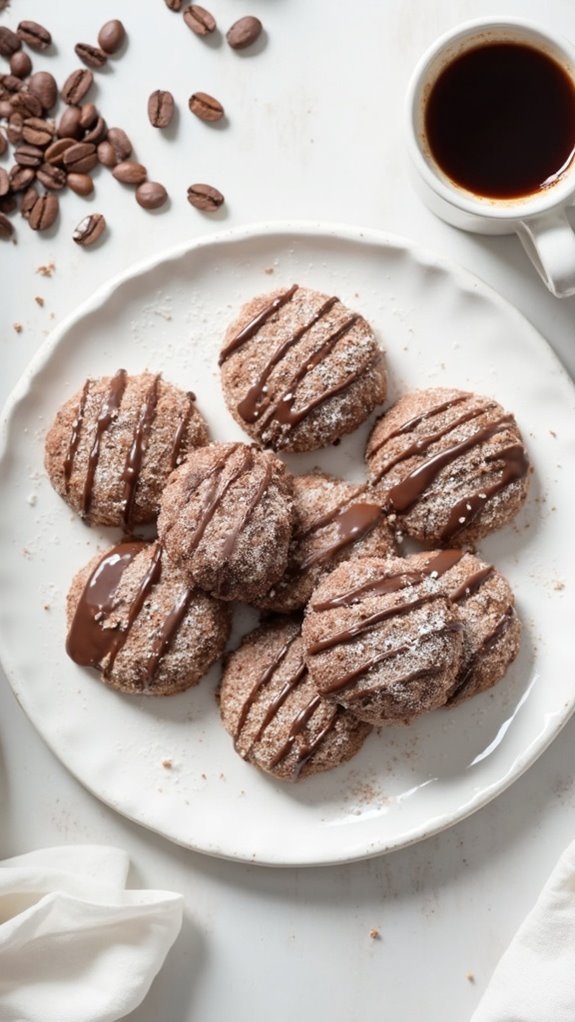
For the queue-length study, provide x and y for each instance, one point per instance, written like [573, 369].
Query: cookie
[133, 617]
[382, 644]
[226, 520]
[450, 465]
[113, 445]
[273, 712]
[300, 370]
[485, 601]
[333, 521]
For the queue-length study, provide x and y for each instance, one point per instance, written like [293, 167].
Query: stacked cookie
[355, 635]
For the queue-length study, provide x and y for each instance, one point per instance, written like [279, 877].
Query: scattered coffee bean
[205, 107]
[21, 177]
[205, 197]
[92, 56]
[4, 182]
[20, 64]
[34, 35]
[82, 184]
[28, 201]
[88, 115]
[7, 203]
[6, 228]
[89, 230]
[37, 131]
[27, 104]
[69, 124]
[111, 36]
[54, 154]
[14, 128]
[52, 177]
[76, 86]
[43, 85]
[9, 41]
[80, 157]
[28, 155]
[11, 84]
[160, 108]
[120, 142]
[97, 132]
[199, 20]
[106, 154]
[130, 173]
[3, 144]
[5, 108]
[44, 212]
[244, 32]
[151, 195]
[174, 5]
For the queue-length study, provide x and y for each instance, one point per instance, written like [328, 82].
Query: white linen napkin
[535, 979]
[74, 944]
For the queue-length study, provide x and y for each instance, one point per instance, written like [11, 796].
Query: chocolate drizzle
[471, 584]
[75, 435]
[259, 684]
[352, 524]
[215, 492]
[367, 623]
[167, 633]
[248, 407]
[108, 411]
[181, 428]
[466, 510]
[135, 456]
[489, 641]
[298, 725]
[251, 328]
[234, 534]
[411, 424]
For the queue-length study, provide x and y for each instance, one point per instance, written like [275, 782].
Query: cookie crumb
[375, 934]
[470, 977]
[47, 270]
[39, 301]
[46, 606]
[18, 327]
[167, 764]
[269, 269]
[553, 433]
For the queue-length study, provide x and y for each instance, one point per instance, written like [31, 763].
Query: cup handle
[549, 241]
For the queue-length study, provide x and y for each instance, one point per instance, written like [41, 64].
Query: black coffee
[500, 120]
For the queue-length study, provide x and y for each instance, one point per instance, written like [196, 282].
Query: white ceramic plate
[440, 326]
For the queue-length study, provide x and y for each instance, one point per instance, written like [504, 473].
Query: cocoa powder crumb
[470, 977]
[39, 301]
[375, 934]
[47, 270]
[18, 327]
[167, 764]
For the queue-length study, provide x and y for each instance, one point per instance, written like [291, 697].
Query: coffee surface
[500, 120]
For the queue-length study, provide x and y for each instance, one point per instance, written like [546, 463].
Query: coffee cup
[491, 136]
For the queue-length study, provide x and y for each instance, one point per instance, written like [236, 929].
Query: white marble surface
[314, 132]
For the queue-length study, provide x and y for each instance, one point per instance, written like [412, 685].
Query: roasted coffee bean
[89, 230]
[44, 212]
[97, 132]
[120, 142]
[20, 64]
[37, 131]
[4, 182]
[92, 56]
[54, 154]
[8, 203]
[51, 177]
[205, 107]
[14, 128]
[88, 115]
[28, 201]
[28, 155]
[76, 86]
[82, 184]
[3, 144]
[106, 154]
[5, 108]
[6, 228]
[111, 36]
[69, 124]
[244, 32]
[21, 178]
[199, 20]
[9, 41]
[130, 173]
[174, 5]
[34, 35]
[26, 103]
[151, 195]
[205, 197]
[160, 108]
[10, 84]
[43, 85]
[80, 157]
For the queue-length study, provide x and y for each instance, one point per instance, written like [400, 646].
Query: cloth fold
[74, 944]
[535, 979]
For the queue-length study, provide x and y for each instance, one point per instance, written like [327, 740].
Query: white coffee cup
[539, 219]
